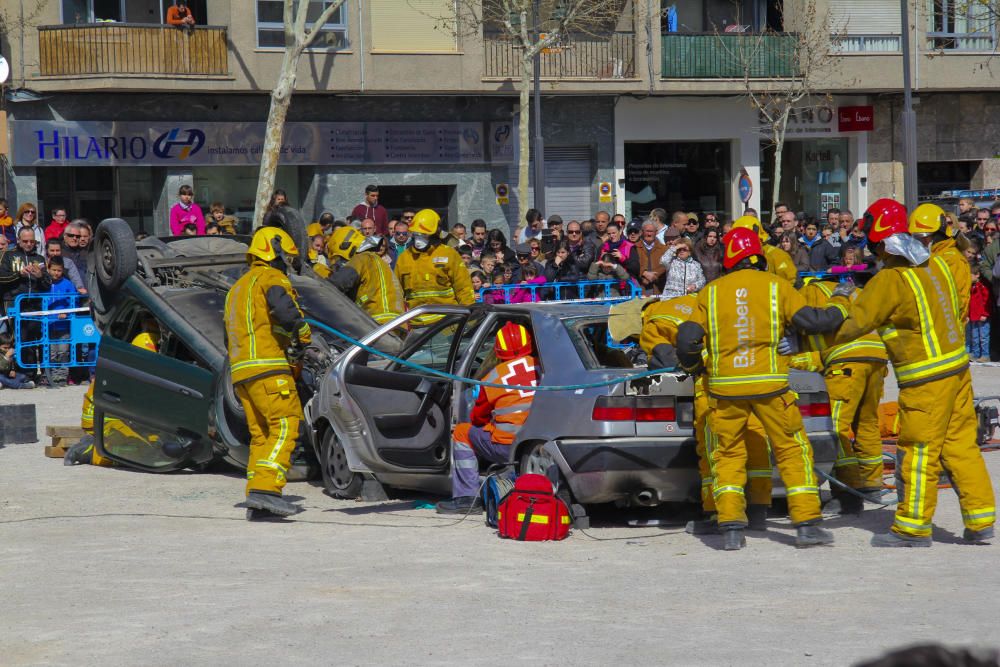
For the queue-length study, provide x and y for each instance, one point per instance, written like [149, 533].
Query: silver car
[631, 443]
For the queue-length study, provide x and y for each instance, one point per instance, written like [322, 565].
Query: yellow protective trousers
[855, 390]
[273, 417]
[758, 488]
[937, 428]
[782, 422]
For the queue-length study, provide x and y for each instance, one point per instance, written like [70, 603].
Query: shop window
[815, 175]
[414, 26]
[934, 178]
[677, 176]
[271, 30]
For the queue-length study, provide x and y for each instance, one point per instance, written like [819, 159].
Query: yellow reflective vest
[433, 277]
[262, 317]
[378, 292]
[780, 263]
[915, 308]
[744, 315]
[960, 273]
[869, 347]
[660, 320]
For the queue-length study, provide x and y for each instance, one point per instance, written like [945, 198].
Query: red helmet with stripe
[883, 219]
[513, 341]
[739, 244]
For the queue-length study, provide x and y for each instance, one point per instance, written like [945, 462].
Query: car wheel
[114, 256]
[338, 480]
[536, 460]
[233, 402]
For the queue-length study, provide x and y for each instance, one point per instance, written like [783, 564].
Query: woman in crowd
[684, 274]
[496, 244]
[708, 252]
[561, 269]
[789, 242]
[621, 248]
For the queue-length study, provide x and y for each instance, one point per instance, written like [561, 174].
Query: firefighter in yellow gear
[85, 451]
[742, 318]
[365, 277]
[913, 302]
[779, 262]
[658, 339]
[855, 379]
[929, 224]
[264, 328]
[430, 272]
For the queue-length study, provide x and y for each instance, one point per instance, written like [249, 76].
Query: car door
[405, 412]
[151, 408]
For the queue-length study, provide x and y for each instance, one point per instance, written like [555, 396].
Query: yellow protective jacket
[960, 273]
[435, 276]
[915, 309]
[368, 280]
[869, 347]
[780, 263]
[660, 320]
[743, 315]
[262, 317]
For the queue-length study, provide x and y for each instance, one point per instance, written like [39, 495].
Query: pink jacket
[524, 295]
[625, 248]
[180, 217]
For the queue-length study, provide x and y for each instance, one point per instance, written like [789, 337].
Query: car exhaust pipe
[646, 498]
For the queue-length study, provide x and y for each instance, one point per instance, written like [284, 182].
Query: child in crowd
[212, 229]
[499, 280]
[607, 268]
[59, 326]
[185, 212]
[318, 244]
[226, 223]
[190, 229]
[10, 377]
[977, 331]
[478, 281]
[529, 276]
[6, 223]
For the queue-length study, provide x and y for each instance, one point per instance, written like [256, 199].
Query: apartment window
[414, 26]
[960, 25]
[864, 26]
[271, 25]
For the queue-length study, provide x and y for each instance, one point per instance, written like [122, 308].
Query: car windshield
[591, 340]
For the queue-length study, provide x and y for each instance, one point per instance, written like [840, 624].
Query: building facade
[109, 111]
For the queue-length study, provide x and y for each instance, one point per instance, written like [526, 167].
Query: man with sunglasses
[581, 251]
[22, 269]
[400, 239]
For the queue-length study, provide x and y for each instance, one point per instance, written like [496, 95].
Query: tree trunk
[524, 145]
[779, 147]
[281, 99]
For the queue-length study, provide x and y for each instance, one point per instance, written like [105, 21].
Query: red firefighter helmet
[883, 219]
[513, 341]
[739, 244]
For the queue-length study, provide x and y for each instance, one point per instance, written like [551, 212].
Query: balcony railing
[728, 56]
[584, 58]
[121, 48]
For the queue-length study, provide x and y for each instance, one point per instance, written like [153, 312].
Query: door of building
[86, 192]
[395, 198]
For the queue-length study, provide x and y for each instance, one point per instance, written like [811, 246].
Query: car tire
[114, 256]
[338, 480]
[535, 460]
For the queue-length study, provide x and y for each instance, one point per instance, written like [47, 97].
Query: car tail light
[814, 405]
[614, 409]
[634, 408]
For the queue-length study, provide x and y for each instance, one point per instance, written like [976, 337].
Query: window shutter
[865, 17]
[413, 25]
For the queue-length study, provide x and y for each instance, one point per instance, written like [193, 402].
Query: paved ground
[101, 566]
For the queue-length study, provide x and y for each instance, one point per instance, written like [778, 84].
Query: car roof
[559, 310]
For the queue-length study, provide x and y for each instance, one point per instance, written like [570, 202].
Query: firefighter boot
[891, 539]
[811, 535]
[872, 494]
[81, 452]
[981, 536]
[707, 526]
[461, 505]
[269, 502]
[757, 517]
[845, 503]
[733, 539]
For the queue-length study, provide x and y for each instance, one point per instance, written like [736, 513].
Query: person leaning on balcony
[180, 16]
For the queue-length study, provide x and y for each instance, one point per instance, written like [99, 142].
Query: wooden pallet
[63, 437]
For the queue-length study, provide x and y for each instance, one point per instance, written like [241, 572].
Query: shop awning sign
[68, 143]
[856, 119]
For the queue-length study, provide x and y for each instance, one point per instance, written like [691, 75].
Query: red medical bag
[531, 512]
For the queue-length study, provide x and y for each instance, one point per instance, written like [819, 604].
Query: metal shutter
[569, 182]
[410, 26]
[865, 17]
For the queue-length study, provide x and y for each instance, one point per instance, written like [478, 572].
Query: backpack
[531, 512]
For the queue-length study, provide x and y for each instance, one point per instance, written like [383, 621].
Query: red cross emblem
[521, 374]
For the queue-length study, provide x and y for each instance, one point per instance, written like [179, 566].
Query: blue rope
[478, 383]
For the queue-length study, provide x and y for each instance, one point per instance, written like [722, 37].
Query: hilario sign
[63, 143]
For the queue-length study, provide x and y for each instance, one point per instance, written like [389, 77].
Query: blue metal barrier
[839, 276]
[53, 331]
[591, 291]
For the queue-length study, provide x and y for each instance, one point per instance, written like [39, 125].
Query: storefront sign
[746, 186]
[856, 119]
[604, 192]
[503, 194]
[503, 140]
[45, 143]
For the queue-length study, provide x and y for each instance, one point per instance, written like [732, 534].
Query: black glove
[663, 356]
[295, 351]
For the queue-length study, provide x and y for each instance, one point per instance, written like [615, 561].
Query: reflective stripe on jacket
[433, 277]
[958, 265]
[502, 412]
[660, 320]
[378, 292]
[869, 347]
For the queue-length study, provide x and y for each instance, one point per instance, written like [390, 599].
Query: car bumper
[662, 470]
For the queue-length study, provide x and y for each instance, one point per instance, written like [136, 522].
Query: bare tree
[298, 38]
[785, 73]
[534, 27]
